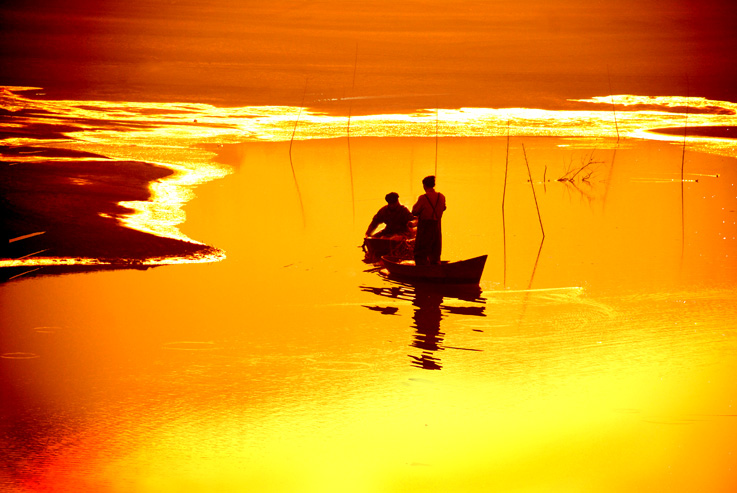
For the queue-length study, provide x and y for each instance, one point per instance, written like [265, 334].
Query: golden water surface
[599, 356]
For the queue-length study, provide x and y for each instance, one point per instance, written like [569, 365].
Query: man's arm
[378, 219]
[374, 224]
[407, 216]
[417, 208]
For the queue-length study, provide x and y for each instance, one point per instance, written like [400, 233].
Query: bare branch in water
[587, 162]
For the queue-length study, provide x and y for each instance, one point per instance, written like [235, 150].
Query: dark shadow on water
[432, 305]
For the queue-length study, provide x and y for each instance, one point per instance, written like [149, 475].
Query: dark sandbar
[721, 132]
[65, 199]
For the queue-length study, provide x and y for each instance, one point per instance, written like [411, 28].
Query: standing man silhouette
[429, 210]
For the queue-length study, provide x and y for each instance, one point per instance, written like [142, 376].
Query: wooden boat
[461, 272]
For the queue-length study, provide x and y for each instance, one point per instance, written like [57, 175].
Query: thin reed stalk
[350, 166]
[526, 300]
[532, 185]
[24, 273]
[611, 98]
[616, 127]
[683, 167]
[685, 132]
[436, 139]
[355, 66]
[348, 130]
[537, 260]
[609, 178]
[504, 196]
[291, 163]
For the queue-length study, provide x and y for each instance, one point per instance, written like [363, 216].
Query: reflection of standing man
[429, 210]
[428, 337]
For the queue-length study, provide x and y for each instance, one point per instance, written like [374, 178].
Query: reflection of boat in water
[461, 272]
[430, 309]
[396, 246]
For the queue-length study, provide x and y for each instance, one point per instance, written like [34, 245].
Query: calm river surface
[599, 359]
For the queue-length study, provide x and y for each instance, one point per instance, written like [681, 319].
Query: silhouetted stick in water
[545, 175]
[542, 240]
[291, 163]
[611, 98]
[355, 66]
[616, 127]
[534, 267]
[526, 300]
[685, 131]
[683, 166]
[350, 166]
[436, 138]
[350, 160]
[25, 237]
[533, 191]
[609, 178]
[504, 196]
[34, 253]
[23, 273]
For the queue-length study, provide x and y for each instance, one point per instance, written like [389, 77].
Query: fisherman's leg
[420, 254]
[437, 246]
[422, 242]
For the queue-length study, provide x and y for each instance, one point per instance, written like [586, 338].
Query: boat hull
[461, 272]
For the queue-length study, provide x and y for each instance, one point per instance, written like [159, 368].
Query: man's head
[392, 198]
[428, 181]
